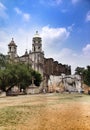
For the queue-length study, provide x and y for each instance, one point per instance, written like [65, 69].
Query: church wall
[37, 61]
[52, 67]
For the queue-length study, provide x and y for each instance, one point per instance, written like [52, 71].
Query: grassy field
[45, 112]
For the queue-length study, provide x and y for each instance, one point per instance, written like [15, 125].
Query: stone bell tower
[12, 50]
[36, 43]
[37, 55]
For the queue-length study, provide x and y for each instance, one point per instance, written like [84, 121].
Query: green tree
[79, 70]
[18, 74]
[86, 76]
[37, 78]
[7, 77]
[3, 79]
[24, 75]
[3, 61]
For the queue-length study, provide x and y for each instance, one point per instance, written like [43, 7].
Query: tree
[8, 77]
[24, 75]
[18, 74]
[86, 75]
[37, 78]
[79, 70]
[4, 77]
[3, 60]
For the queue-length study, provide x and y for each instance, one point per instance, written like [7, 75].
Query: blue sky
[64, 26]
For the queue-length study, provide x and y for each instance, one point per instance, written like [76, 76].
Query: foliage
[37, 78]
[79, 70]
[18, 74]
[3, 60]
[85, 74]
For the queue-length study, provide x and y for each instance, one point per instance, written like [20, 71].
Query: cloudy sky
[64, 26]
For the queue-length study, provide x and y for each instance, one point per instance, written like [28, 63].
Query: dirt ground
[45, 112]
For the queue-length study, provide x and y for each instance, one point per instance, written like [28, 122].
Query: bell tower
[12, 49]
[37, 43]
[37, 55]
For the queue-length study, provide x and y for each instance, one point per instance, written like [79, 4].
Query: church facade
[37, 60]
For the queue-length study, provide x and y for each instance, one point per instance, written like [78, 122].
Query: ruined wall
[52, 67]
[71, 83]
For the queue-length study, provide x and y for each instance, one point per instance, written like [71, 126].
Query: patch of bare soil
[49, 112]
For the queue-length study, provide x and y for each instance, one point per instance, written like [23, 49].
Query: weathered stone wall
[71, 83]
[52, 67]
[32, 90]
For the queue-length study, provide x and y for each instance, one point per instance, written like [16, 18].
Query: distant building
[45, 66]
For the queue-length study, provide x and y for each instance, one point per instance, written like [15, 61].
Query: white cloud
[88, 16]
[25, 16]
[86, 50]
[70, 28]
[75, 1]
[70, 57]
[3, 13]
[54, 36]
[4, 38]
[22, 38]
[2, 6]
[18, 11]
[53, 39]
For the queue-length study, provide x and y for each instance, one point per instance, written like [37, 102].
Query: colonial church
[37, 60]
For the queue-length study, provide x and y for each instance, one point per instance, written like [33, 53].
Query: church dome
[36, 34]
[12, 43]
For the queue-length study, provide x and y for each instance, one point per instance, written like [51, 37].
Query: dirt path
[46, 112]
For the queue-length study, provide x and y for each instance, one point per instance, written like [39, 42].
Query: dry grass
[45, 112]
